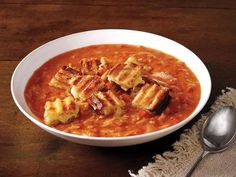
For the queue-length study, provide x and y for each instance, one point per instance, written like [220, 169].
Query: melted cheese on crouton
[60, 111]
[106, 103]
[125, 76]
[150, 96]
[86, 87]
[93, 66]
[63, 77]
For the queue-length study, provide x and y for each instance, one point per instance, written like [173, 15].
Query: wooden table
[208, 29]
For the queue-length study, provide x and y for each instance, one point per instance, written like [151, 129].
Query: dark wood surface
[207, 28]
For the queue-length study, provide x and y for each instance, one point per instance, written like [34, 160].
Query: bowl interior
[40, 55]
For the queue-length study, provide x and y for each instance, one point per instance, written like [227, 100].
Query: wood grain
[206, 27]
[228, 4]
[25, 27]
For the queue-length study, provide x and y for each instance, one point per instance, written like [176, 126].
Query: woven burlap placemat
[176, 163]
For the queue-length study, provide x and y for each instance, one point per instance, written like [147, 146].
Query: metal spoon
[218, 132]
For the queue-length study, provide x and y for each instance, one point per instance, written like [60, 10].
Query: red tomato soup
[112, 90]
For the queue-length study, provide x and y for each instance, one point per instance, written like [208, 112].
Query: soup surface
[112, 90]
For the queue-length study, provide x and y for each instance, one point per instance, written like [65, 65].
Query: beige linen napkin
[176, 163]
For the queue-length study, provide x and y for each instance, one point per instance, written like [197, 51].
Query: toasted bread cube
[104, 66]
[125, 76]
[86, 86]
[104, 76]
[60, 111]
[93, 66]
[135, 62]
[150, 79]
[104, 62]
[150, 96]
[106, 103]
[89, 66]
[63, 76]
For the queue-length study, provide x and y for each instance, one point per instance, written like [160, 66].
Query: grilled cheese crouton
[104, 75]
[89, 66]
[86, 86]
[104, 66]
[125, 76]
[134, 62]
[93, 66]
[106, 103]
[150, 79]
[150, 96]
[60, 111]
[63, 77]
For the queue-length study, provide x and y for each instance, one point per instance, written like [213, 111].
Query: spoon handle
[204, 153]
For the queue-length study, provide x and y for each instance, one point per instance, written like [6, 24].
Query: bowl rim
[133, 137]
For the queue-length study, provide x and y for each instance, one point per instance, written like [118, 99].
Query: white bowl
[36, 58]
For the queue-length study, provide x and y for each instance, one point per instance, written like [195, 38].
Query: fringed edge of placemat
[172, 163]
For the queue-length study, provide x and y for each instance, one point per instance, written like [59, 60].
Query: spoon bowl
[218, 133]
